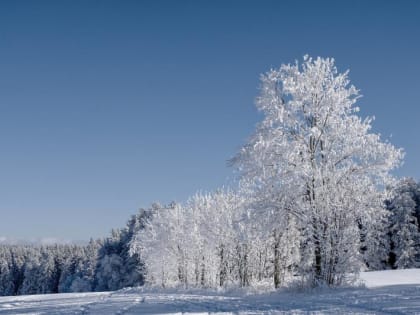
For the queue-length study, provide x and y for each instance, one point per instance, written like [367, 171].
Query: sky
[108, 106]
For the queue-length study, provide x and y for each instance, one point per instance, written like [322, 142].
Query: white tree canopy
[313, 157]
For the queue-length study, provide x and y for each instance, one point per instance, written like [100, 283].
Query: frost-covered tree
[314, 159]
[133, 266]
[404, 227]
[213, 236]
[222, 226]
[46, 270]
[31, 269]
[6, 276]
[109, 269]
[116, 268]
[32, 273]
[159, 245]
[275, 236]
[192, 244]
[78, 269]
[286, 250]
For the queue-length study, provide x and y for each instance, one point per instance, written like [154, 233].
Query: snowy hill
[386, 292]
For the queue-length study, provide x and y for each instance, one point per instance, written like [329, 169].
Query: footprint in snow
[140, 300]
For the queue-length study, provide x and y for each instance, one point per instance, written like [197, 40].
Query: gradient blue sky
[107, 106]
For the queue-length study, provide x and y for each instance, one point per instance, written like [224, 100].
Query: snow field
[386, 292]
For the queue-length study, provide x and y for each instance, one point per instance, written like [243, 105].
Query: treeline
[194, 251]
[211, 242]
[315, 203]
[101, 265]
[47, 269]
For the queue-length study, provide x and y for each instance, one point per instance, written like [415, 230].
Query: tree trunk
[222, 272]
[276, 274]
[243, 265]
[197, 272]
[317, 254]
[203, 272]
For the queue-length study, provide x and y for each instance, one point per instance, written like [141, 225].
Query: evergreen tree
[404, 227]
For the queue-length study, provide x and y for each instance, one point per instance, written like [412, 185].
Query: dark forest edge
[100, 265]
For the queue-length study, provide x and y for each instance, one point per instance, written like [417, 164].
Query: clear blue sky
[107, 106]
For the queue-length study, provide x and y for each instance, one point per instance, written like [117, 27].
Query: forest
[315, 202]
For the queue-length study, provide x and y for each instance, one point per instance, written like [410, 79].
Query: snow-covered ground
[386, 292]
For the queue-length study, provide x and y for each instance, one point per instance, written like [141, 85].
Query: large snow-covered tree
[313, 158]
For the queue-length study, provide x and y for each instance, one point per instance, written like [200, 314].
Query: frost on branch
[314, 159]
[309, 204]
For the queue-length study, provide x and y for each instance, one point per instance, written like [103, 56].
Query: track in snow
[388, 292]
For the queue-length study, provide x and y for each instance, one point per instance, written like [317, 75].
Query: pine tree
[404, 227]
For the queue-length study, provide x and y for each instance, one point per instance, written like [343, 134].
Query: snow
[386, 292]
[374, 279]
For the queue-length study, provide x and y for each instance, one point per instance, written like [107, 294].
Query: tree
[404, 228]
[157, 244]
[109, 269]
[193, 244]
[314, 159]
[6, 276]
